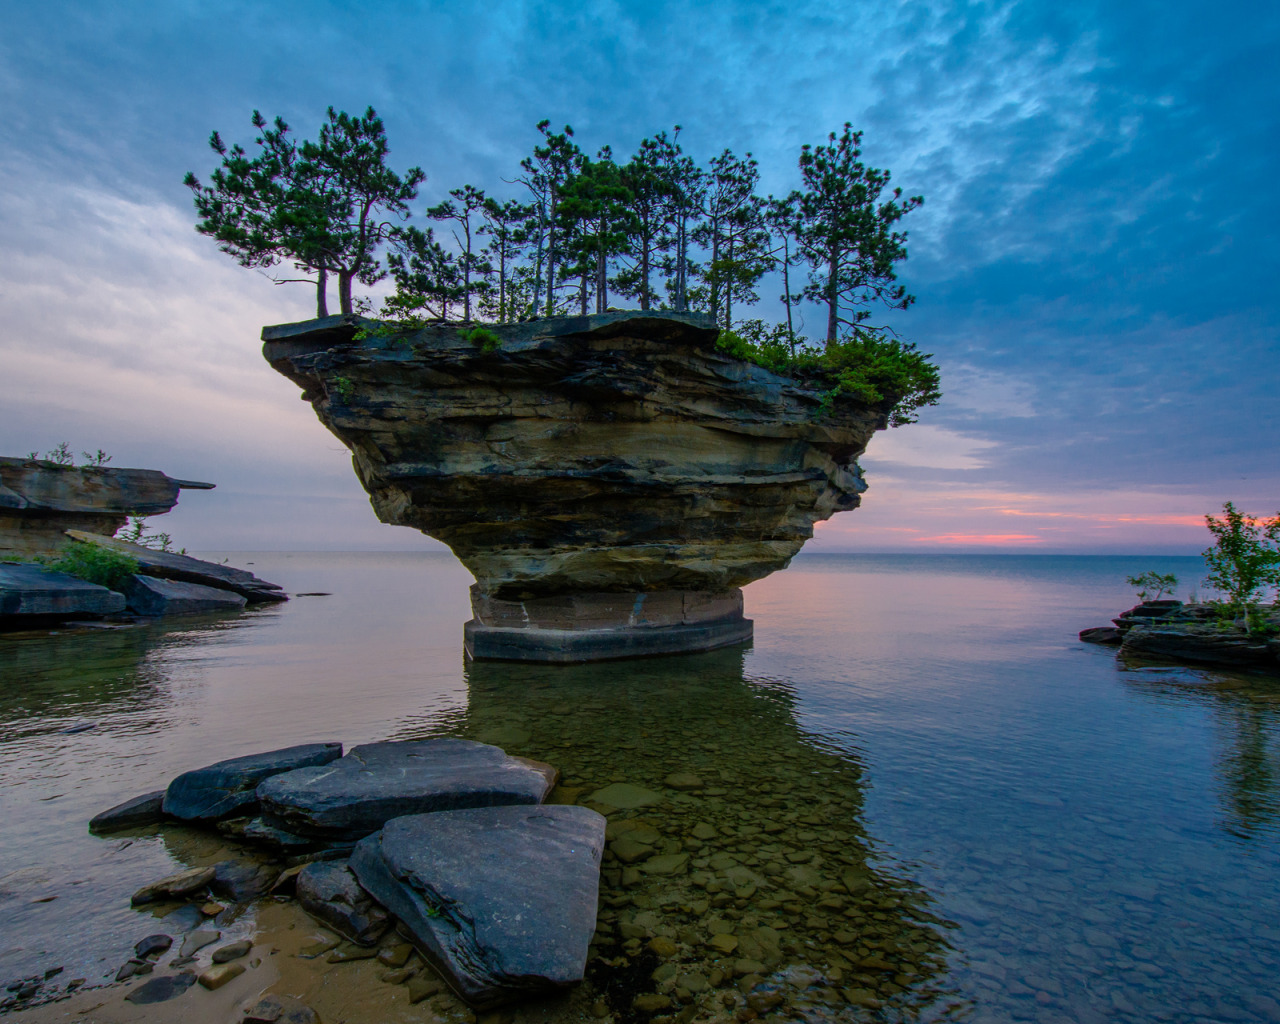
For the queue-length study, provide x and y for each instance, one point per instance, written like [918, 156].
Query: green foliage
[482, 336]
[1245, 558]
[343, 387]
[60, 455]
[95, 564]
[137, 533]
[95, 461]
[1148, 582]
[879, 371]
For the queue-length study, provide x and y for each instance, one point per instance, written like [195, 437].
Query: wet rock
[662, 946]
[232, 951]
[162, 989]
[219, 974]
[153, 945]
[227, 788]
[348, 952]
[395, 956]
[147, 595]
[666, 864]
[650, 1002]
[424, 986]
[280, 1010]
[1197, 643]
[376, 782]
[170, 565]
[132, 968]
[27, 590]
[141, 810]
[240, 881]
[684, 781]
[197, 940]
[629, 851]
[172, 886]
[502, 900]
[182, 919]
[1109, 635]
[330, 893]
[255, 830]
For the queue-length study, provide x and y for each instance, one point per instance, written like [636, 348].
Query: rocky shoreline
[1193, 633]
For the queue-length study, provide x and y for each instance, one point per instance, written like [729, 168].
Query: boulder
[163, 988]
[375, 782]
[1199, 643]
[184, 883]
[1102, 635]
[502, 900]
[169, 565]
[27, 590]
[228, 788]
[239, 881]
[147, 595]
[141, 810]
[280, 1010]
[329, 892]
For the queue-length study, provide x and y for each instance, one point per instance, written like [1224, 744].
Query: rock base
[601, 626]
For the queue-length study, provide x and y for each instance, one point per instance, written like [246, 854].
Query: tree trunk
[344, 291]
[582, 292]
[602, 283]
[786, 289]
[322, 298]
[551, 258]
[833, 313]
[644, 272]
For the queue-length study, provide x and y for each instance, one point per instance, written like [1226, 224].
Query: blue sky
[1095, 263]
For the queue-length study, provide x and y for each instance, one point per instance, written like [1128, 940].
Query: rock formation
[610, 480]
[39, 500]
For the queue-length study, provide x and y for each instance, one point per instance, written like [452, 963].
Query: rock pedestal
[609, 480]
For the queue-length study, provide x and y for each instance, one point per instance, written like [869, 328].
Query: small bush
[482, 336]
[94, 564]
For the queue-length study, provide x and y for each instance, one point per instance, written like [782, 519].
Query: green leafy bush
[868, 366]
[95, 564]
[1149, 582]
[1245, 558]
[482, 336]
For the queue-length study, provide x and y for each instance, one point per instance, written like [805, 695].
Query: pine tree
[847, 235]
[546, 175]
[427, 276]
[508, 225]
[466, 210]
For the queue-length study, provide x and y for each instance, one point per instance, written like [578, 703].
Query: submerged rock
[502, 900]
[163, 988]
[376, 782]
[146, 809]
[150, 596]
[32, 590]
[240, 881]
[280, 1010]
[330, 893]
[228, 788]
[184, 883]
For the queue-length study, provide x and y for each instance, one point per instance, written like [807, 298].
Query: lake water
[923, 797]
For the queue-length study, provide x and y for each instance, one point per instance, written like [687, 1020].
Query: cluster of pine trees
[656, 230]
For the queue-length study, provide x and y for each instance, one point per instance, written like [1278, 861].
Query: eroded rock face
[612, 453]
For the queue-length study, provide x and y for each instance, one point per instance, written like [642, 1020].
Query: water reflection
[1245, 713]
[740, 848]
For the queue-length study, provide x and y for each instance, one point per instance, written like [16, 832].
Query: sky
[1095, 264]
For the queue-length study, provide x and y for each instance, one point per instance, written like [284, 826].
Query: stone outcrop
[150, 596]
[620, 454]
[32, 591]
[502, 900]
[376, 782]
[40, 500]
[229, 788]
[1192, 633]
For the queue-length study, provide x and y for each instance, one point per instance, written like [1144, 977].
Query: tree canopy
[657, 228]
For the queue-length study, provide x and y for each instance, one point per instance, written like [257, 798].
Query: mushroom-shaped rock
[376, 782]
[502, 900]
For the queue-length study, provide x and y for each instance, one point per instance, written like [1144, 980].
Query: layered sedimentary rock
[39, 500]
[620, 454]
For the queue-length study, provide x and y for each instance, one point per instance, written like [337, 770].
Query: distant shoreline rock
[1191, 633]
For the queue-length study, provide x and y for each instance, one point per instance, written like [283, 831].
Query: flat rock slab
[141, 810]
[375, 782]
[28, 589]
[171, 566]
[502, 900]
[147, 595]
[330, 893]
[163, 988]
[228, 788]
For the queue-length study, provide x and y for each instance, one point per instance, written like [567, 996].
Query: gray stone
[376, 782]
[232, 951]
[163, 988]
[330, 893]
[227, 788]
[1193, 642]
[280, 1010]
[170, 565]
[182, 919]
[183, 883]
[240, 881]
[153, 945]
[147, 595]
[502, 900]
[141, 810]
[1109, 635]
[197, 940]
[27, 590]
[255, 830]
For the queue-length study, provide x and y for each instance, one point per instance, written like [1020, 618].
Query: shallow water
[921, 796]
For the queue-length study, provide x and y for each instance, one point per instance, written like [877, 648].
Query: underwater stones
[227, 788]
[502, 900]
[146, 809]
[376, 782]
[172, 886]
[239, 881]
[625, 796]
[329, 892]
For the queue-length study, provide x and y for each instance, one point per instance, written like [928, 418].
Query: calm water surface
[927, 798]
